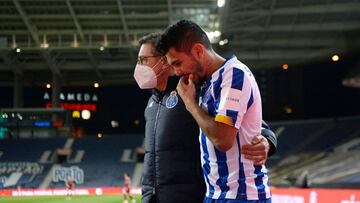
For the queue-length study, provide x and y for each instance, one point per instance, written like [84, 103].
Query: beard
[198, 73]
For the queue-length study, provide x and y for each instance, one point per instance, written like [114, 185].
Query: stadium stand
[108, 150]
[102, 160]
[28, 149]
[317, 153]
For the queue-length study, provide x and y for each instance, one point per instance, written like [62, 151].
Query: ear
[198, 51]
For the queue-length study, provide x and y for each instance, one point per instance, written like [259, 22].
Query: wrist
[191, 106]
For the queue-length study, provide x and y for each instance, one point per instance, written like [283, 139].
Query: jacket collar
[171, 85]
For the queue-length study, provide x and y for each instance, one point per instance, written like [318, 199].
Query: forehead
[173, 55]
[146, 49]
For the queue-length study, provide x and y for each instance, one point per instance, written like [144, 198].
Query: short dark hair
[151, 38]
[182, 36]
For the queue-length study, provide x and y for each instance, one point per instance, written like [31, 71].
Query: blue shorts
[209, 200]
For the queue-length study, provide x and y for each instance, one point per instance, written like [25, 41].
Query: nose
[178, 72]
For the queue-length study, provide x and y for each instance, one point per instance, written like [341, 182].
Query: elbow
[223, 146]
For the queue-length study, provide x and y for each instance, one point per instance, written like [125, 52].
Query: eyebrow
[175, 61]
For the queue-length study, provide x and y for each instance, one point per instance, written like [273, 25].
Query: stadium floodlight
[14, 45]
[288, 109]
[220, 3]
[136, 122]
[213, 35]
[105, 43]
[44, 45]
[75, 44]
[223, 42]
[335, 57]
[285, 66]
[85, 114]
[114, 124]
[217, 33]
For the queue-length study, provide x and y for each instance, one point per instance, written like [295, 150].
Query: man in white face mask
[152, 69]
[172, 169]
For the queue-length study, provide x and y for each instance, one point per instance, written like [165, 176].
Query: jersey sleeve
[235, 97]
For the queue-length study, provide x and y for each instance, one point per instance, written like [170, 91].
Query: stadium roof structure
[83, 41]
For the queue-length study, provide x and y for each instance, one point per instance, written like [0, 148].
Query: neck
[163, 80]
[161, 87]
[215, 61]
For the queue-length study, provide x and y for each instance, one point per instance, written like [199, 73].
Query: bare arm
[221, 135]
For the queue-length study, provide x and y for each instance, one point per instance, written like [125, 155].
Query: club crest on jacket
[172, 100]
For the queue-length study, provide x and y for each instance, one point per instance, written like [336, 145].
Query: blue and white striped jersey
[232, 97]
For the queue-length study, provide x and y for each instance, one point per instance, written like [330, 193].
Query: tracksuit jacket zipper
[155, 126]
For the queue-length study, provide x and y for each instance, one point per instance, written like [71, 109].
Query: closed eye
[177, 64]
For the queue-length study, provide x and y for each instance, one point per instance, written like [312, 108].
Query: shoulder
[236, 72]
[235, 66]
